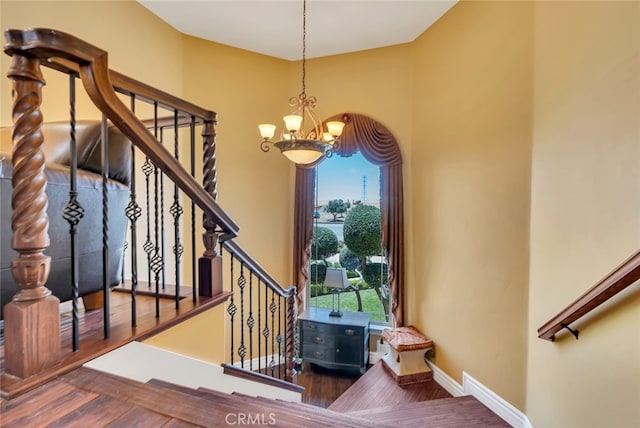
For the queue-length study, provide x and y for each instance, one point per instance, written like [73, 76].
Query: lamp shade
[267, 130]
[335, 128]
[336, 278]
[292, 122]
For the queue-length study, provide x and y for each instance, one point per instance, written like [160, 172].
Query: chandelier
[297, 146]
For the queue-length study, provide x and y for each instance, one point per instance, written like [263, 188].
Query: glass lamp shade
[335, 128]
[292, 122]
[267, 130]
[302, 157]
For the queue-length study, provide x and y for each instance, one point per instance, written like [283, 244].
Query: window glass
[347, 234]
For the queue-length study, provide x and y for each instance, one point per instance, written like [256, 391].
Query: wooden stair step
[359, 397]
[44, 404]
[306, 409]
[160, 400]
[305, 415]
[96, 413]
[464, 411]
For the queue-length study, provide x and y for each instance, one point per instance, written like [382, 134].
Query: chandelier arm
[265, 146]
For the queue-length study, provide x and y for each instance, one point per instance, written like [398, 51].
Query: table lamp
[336, 279]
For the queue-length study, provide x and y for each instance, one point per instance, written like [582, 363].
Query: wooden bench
[405, 360]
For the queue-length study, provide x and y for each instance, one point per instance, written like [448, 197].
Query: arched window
[375, 142]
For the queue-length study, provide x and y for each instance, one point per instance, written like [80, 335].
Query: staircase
[87, 397]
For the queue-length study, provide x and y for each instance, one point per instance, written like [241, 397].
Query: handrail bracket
[575, 332]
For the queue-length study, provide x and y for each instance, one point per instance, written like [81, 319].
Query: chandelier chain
[304, 48]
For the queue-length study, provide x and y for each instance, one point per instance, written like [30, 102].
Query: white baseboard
[445, 381]
[470, 386]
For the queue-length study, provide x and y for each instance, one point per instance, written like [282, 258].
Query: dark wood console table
[335, 342]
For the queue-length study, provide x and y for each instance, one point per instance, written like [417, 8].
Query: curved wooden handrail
[239, 253]
[63, 52]
[617, 280]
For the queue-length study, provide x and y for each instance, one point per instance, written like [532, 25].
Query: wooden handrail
[233, 247]
[617, 280]
[69, 52]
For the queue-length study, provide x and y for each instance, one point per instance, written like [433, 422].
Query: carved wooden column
[210, 264]
[32, 320]
[290, 345]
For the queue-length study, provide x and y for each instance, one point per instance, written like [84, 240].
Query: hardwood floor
[92, 341]
[376, 386]
[323, 386]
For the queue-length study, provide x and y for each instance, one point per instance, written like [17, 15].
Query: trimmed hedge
[362, 230]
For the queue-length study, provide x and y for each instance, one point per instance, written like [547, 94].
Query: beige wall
[139, 54]
[253, 187]
[471, 189]
[585, 213]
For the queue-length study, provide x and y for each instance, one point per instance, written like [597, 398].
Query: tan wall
[187, 338]
[139, 54]
[471, 162]
[253, 187]
[585, 214]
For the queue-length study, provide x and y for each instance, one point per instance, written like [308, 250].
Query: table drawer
[348, 331]
[310, 327]
[317, 339]
[318, 352]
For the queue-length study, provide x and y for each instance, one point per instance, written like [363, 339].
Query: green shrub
[317, 272]
[375, 274]
[324, 243]
[349, 260]
[363, 230]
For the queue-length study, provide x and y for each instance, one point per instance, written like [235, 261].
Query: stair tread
[464, 411]
[304, 408]
[44, 403]
[358, 396]
[311, 414]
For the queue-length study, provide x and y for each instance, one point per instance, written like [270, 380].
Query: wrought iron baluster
[192, 144]
[232, 309]
[272, 309]
[73, 212]
[242, 282]
[105, 227]
[250, 321]
[259, 330]
[133, 212]
[147, 169]
[176, 211]
[279, 340]
[156, 260]
[162, 236]
[266, 331]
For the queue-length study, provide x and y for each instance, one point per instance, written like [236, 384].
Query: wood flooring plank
[177, 423]
[139, 417]
[96, 413]
[359, 396]
[464, 411]
[163, 401]
[47, 403]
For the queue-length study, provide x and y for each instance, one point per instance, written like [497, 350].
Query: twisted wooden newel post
[32, 321]
[210, 264]
[290, 345]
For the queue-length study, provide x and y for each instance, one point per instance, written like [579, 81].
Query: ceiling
[274, 27]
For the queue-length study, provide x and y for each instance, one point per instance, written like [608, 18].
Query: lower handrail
[617, 280]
